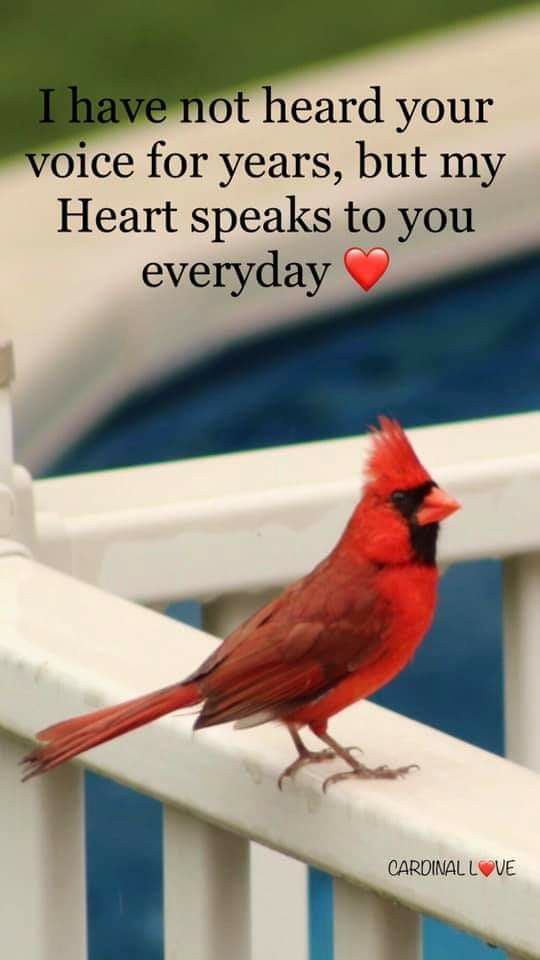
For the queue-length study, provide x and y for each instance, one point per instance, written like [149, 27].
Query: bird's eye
[398, 497]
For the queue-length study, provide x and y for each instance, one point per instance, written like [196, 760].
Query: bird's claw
[310, 756]
[361, 772]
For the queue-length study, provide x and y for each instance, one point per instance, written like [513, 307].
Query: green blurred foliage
[132, 48]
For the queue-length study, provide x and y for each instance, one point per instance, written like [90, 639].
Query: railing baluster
[42, 875]
[42, 862]
[6, 428]
[275, 879]
[522, 659]
[279, 906]
[367, 925]
[206, 881]
[521, 582]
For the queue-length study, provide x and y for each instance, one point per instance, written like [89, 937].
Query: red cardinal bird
[332, 638]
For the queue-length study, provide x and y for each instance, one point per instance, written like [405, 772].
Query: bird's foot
[306, 758]
[310, 756]
[361, 772]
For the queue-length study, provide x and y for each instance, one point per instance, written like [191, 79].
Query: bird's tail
[65, 740]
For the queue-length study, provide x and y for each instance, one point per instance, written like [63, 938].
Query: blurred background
[460, 342]
[133, 49]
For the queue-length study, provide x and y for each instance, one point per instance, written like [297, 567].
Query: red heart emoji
[366, 268]
[486, 867]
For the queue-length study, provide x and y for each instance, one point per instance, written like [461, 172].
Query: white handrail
[66, 647]
[249, 521]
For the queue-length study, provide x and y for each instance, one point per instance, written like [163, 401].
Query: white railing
[225, 530]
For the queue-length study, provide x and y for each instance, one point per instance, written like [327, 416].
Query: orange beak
[436, 506]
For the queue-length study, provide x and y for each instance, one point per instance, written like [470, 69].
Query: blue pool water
[467, 349]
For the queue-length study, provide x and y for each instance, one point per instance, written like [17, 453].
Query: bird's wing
[296, 648]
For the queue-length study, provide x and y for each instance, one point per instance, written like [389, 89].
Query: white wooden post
[522, 659]
[42, 862]
[370, 927]
[206, 882]
[521, 584]
[42, 876]
[278, 883]
[6, 438]
[7, 373]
